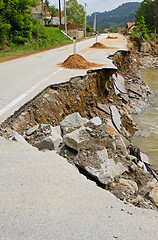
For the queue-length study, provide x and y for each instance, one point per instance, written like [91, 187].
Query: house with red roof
[106, 30]
[130, 26]
[119, 29]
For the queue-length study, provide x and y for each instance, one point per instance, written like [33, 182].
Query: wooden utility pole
[65, 16]
[156, 17]
[85, 19]
[59, 14]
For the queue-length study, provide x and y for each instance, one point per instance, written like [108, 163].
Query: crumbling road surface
[23, 78]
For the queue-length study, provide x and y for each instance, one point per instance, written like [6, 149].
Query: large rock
[44, 136]
[71, 123]
[77, 138]
[51, 143]
[95, 161]
[128, 185]
[95, 121]
[96, 164]
[145, 47]
[117, 168]
[154, 195]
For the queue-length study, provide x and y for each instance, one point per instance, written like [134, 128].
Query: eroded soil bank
[111, 95]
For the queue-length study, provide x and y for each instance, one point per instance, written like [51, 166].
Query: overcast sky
[98, 5]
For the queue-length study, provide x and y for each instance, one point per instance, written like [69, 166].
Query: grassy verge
[53, 38]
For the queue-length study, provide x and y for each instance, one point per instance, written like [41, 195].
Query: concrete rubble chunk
[135, 88]
[104, 108]
[51, 142]
[58, 129]
[116, 119]
[95, 121]
[46, 143]
[110, 123]
[117, 92]
[98, 167]
[120, 145]
[145, 47]
[31, 130]
[125, 98]
[67, 152]
[76, 139]
[71, 123]
[44, 137]
[129, 185]
[85, 121]
[154, 194]
[119, 83]
[145, 158]
[117, 168]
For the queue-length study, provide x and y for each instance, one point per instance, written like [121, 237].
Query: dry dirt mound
[99, 45]
[111, 37]
[76, 61]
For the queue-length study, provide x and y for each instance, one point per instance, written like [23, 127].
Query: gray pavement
[43, 197]
[24, 78]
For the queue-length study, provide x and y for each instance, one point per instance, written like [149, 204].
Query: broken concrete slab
[119, 83]
[45, 144]
[125, 98]
[76, 139]
[58, 129]
[116, 119]
[96, 164]
[110, 123]
[104, 108]
[117, 168]
[144, 158]
[136, 89]
[120, 145]
[71, 123]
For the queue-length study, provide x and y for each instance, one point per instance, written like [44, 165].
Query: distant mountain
[115, 18]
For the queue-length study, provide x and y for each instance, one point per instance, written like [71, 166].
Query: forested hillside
[115, 18]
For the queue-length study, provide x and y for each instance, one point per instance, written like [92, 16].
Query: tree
[46, 5]
[53, 11]
[88, 28]
[75, 12]
[156, 18]
[147, 10]
[16, 23]
[141, 28]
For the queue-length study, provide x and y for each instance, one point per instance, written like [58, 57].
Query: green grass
[52, 38]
